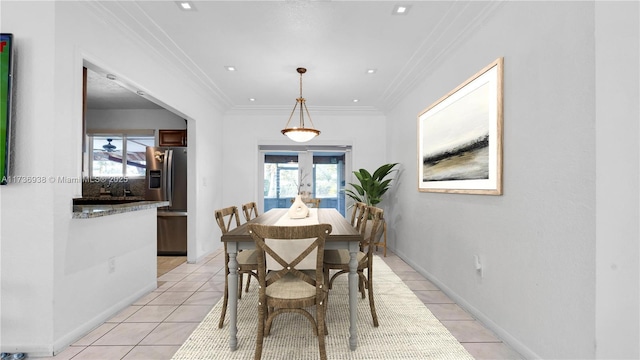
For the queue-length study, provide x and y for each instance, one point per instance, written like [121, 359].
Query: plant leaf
[371, 187]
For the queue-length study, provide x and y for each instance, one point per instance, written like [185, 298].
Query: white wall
[27, 306]
[538, 241]
[617, 79]
[243, 133]
[88, 292]
[52, 39]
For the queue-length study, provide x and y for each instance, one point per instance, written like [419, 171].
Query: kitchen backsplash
[115, 186]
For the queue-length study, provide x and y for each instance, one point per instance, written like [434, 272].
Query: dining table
[343, 236]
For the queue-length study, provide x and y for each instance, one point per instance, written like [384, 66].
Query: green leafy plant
[371, 187]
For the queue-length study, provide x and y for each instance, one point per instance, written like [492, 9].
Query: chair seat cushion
[291, 287]
[247, 257]
[340, 257]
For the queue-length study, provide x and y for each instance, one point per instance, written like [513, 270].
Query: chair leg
[321, 331]
[372, 305]
[324, 312]
[240, 276]
[260, 335]
[225, 302]
[384, 225]
[326, 286]
[383, 243]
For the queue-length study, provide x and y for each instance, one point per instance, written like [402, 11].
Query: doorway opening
[119, 123]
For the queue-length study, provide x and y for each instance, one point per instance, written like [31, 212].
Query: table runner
[289, 250]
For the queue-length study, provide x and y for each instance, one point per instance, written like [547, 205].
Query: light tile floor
[156, 325]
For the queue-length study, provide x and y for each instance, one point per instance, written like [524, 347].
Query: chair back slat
[357, 216]
[225, 218]
[371, 226]
[250, 210]
[264, 235]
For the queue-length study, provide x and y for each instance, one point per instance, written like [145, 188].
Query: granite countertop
[109, 197]
[83, 208]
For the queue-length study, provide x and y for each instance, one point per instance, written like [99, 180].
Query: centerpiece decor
[298, 210]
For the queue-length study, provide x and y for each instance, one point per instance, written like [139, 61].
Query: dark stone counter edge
[93, 211]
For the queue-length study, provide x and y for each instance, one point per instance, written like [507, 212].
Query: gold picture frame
[460, 137]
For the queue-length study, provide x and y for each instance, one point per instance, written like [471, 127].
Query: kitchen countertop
[97, 209]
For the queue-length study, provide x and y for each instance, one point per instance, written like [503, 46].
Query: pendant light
[300, 133]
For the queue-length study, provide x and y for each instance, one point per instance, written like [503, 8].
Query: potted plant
[370, 191]
[372, 186]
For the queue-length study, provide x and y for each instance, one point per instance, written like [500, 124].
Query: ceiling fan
[109, 147]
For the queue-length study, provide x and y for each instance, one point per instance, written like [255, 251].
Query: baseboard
[505, 336]
[78, 333]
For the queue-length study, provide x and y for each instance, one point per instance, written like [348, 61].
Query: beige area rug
[408, 330]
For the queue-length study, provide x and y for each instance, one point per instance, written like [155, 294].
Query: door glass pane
[280, 180]
[288, 180]
[326, 181]
[329, 180]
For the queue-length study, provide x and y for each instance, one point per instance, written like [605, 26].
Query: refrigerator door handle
[168, 171]
[172, 213]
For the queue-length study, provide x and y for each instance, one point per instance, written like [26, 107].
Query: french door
[317, 172]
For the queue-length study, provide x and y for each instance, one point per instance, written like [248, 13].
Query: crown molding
[130, 20]
[316, 110]
[435, 48]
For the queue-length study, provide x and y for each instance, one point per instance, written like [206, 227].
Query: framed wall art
[6, 89]
[460, 137]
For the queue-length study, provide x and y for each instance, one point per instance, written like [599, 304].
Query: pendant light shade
[300, 133]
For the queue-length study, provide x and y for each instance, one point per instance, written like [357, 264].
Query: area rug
[408, 330]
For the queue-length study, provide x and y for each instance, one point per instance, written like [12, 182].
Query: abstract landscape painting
[460, 137]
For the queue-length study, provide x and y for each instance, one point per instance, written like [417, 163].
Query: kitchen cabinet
[172, 137]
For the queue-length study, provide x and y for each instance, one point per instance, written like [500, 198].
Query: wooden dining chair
[310, 202]
[250, 210]
[382, 243]
[357, 220]
[339, 259]
[357, 215]
[289, 286]
[227, 219]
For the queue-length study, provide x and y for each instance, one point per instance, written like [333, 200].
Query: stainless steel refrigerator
[166, 180]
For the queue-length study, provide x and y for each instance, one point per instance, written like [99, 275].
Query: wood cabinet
[172, 137]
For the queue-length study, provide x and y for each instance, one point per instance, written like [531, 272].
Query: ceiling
[337, 41]
[103, 93]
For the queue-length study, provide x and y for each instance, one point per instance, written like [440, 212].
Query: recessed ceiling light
[230, 68]
[355, 100]
[371, 71]
[252, 99]
[185, 5]
[401, 9]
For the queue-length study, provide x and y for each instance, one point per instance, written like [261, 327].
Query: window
[121, 155]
